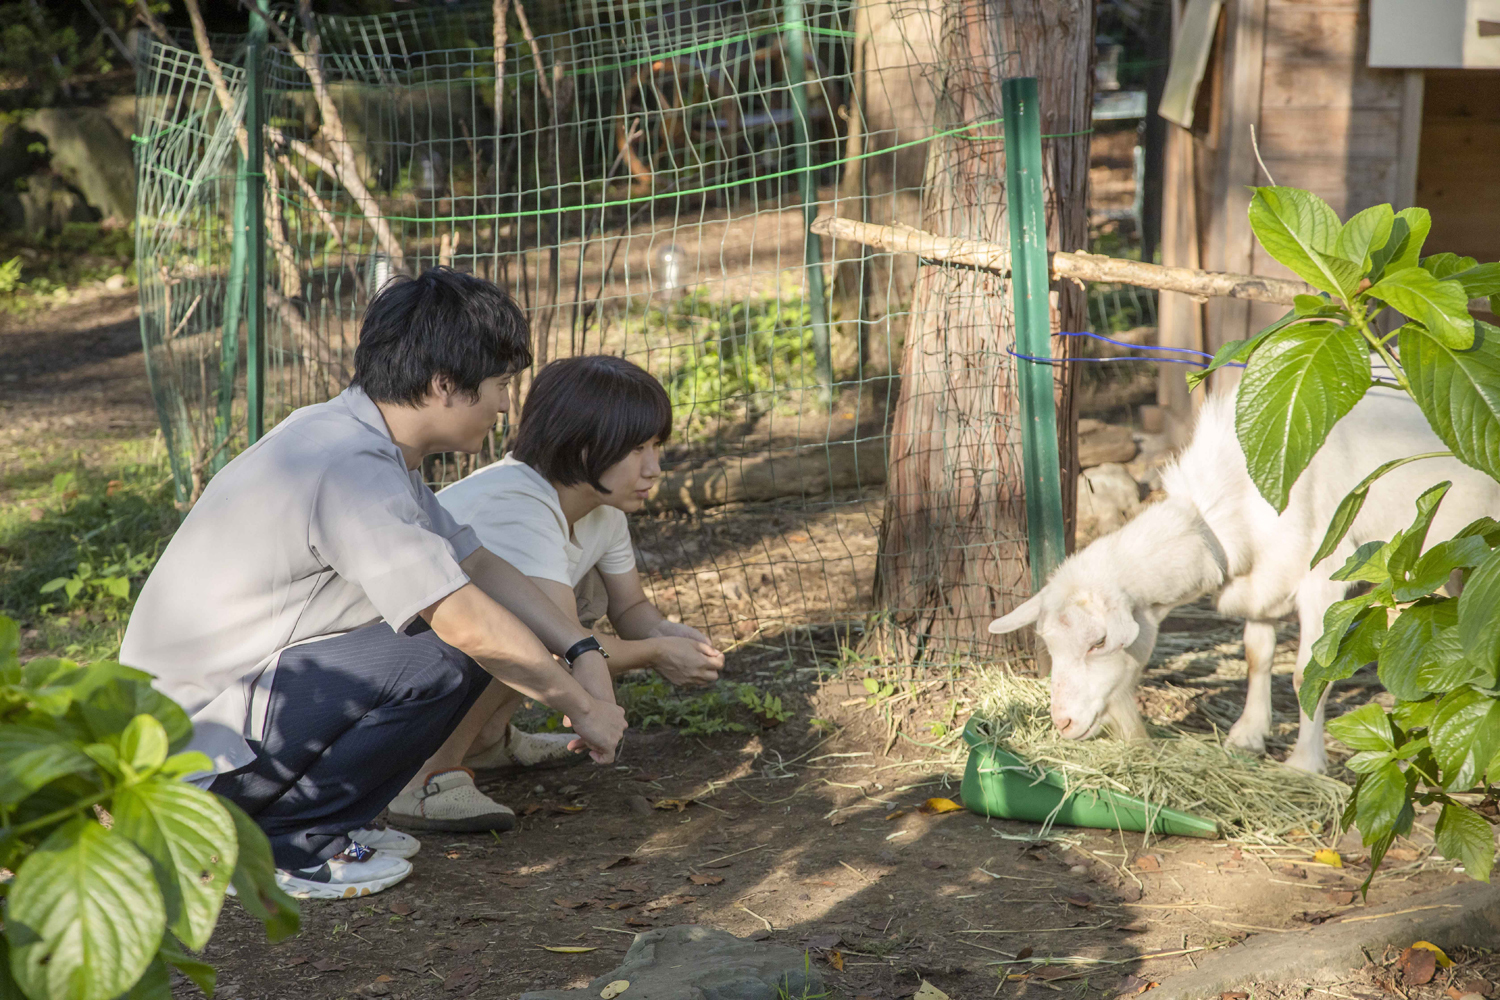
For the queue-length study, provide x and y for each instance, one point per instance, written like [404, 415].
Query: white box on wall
[1435, 34]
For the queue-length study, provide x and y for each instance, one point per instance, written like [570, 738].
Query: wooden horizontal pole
[1076, 266]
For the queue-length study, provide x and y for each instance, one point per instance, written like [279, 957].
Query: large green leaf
[1298, 385]
[1364, 233]
[1441, 306]
[1437, 564]
[190, 839]
[1406, 551]
[1408, 646]
[1300, 230]
[1353, 502]
[1465, 735]
[1418, 223]
[203, 975]
[1444, 667]
[1327, 661]
[1368, 562]
[10, 641]
[91, 913]
[1465, 836]
[109, 708]
[1382, 796]
[1479, 614]
[1411, 715]
[1366, 728]
[1459, 392]
[143, 744]
[255, 878]
[1480, 281]
[31, 757]
[1237, 351]
[156, 984]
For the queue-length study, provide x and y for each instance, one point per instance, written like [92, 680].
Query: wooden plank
[1314, 36]
[1328, 133]
[1179, 318]
[1348, 185]
[1409, 142]
[1458, 180]
[1330, 85]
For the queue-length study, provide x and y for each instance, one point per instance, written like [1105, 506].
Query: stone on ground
[1108, 497]
[689, 962]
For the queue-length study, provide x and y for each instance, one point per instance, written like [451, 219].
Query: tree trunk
[953, 550]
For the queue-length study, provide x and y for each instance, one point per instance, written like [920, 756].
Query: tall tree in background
[953, 541]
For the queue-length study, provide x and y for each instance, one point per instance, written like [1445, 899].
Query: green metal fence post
[1033, 323]
[255, 276]
[792, 28]
[234, 299]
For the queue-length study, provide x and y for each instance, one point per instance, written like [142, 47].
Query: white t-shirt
[517, 516]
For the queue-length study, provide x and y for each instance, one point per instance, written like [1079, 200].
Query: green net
[639, 179]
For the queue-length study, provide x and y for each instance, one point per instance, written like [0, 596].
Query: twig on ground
[757, 916]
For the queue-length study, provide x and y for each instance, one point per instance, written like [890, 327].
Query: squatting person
[328, 625]
[586, 454]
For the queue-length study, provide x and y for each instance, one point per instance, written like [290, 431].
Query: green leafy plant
[120, 866]
[101, 588]
[878, 690]
[765, 707]
[1438, 655]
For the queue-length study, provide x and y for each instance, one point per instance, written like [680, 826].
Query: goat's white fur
[1215, 535]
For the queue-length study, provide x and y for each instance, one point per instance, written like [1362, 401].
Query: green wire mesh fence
[638, 175]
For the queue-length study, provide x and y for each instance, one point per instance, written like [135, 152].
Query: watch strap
[586, 644]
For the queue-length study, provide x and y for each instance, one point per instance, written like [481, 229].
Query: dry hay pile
[1251, 798]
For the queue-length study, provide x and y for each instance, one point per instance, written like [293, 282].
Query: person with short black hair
[328, 625]
[586, 454]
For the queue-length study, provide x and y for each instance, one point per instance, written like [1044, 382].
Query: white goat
[1215, 535]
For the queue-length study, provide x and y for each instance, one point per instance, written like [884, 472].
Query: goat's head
[1098, 642]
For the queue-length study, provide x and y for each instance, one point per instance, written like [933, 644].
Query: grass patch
[98, 527]
[1254, 799]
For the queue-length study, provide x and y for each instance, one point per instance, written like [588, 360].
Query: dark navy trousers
[348, 723]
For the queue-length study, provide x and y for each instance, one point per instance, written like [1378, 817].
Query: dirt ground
[809, 833]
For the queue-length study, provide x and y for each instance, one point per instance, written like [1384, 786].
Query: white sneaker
[358, 871]
[450, 802]
[387, 841]
[522, 749]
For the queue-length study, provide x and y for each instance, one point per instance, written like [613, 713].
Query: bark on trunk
[953, 539]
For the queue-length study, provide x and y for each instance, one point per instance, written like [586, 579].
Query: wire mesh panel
[637, 174]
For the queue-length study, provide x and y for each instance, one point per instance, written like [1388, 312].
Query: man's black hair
[584, 414]
[443, 323]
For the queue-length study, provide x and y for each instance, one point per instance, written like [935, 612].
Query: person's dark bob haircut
[584, 414]
[444, 323]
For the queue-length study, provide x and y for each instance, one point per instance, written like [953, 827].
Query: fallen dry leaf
[620, 862]
[1295, 871]
[1055, 972]
[623, 904]
[719, 863]
[531, 809]
[638, 922]
[933, 864]
[1025, 952]
[895, 815]
[677, 804]
[459, 978]
[570, 904]
[1149, 862]
[1133, 927]
[330, 965]
[1443, 960]
[927, 991]
[1235, 995]
[1131, 985]
[568, 810]
[636, 886]
[297, 960]
[1341, 897]
[1328, 857]
[936, 807]
[705, 879]
[835, 959]
[1315, 916]
[568, 949]
[1403, 854]
[614, 989]
[1417, 966]
[1080, 899]
[403, 909]
[383, 978]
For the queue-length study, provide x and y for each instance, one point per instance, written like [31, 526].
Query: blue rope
[1132, 347]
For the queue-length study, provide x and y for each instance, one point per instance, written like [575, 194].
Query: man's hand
[665, 628]
[688, 662]
[600, 729]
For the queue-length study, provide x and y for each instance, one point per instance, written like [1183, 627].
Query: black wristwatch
[584, 645]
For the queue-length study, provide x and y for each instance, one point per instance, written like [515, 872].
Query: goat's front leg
[1249, 733]
[1314, 598]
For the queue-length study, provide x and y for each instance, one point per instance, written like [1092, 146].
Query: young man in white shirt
[328, 626]
[586, 455]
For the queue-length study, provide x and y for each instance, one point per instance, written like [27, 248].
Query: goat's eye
[1097, 646]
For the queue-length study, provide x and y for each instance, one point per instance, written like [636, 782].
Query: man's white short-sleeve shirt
[316, 529]
[517, 515]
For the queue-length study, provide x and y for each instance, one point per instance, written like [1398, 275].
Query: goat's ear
[1026, 614]
[1122, 630]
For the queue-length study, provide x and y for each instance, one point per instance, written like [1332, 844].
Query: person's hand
[665, 628]
[600, 729]
[688, 662]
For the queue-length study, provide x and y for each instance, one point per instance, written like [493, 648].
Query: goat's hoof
[1246, 740]
[1312, 763]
